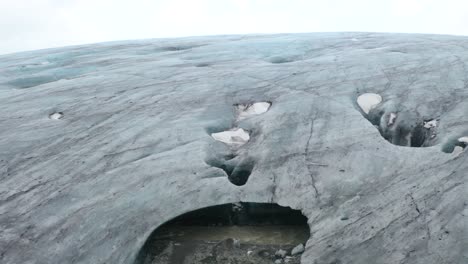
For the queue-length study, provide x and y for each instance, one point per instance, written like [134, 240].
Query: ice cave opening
[229, 233]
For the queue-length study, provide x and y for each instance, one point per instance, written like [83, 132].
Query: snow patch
[56, 116]
[247, 110]
[463, 140]
[430, 124]
[236, 136]
[391, 119]
[368, 101]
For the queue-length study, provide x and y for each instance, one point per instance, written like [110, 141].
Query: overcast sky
[36, 24]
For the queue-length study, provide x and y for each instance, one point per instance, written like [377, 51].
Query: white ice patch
[368, 101]
[236, 136]
[430, 124]
[408, 139]
[247, 110]
[457, 150]
[463, 140]
[391, 119]
[56, 116]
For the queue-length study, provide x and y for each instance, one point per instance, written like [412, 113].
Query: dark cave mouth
[402, 130]
[238, 232]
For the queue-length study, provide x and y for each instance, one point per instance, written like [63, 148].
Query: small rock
[231, 243]
[278, 261]
[297, 250]
[281, 253]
